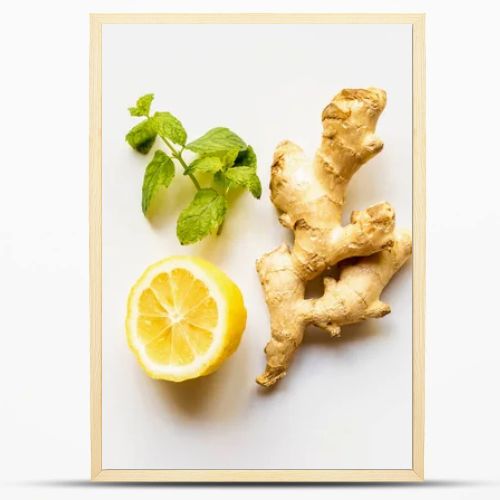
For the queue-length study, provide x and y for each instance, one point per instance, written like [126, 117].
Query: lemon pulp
[184, 318]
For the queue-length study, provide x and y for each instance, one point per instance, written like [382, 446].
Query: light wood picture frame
[416, 472]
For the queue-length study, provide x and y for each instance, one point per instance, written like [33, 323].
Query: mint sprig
[142, 136]
[203, 216]
[142, 105]
[159, 173]
[216, 140]
[222, 158]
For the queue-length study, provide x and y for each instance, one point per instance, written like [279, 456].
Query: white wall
[43, 245]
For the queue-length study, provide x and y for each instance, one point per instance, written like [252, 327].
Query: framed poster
[350, 408]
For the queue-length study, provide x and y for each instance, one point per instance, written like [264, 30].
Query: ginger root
[310, 196]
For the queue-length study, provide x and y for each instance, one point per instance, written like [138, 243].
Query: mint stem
[178, 156]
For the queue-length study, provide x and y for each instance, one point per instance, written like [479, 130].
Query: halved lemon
[184, 318]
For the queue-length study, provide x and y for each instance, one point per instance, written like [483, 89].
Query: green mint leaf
[210, 164]
[220, 180]
[201, 217]
[245, 177]
[246, 158]
[142, 136]
[167, 125]
[215, 140]
[227, 157]
[159, 173]
[142, 105]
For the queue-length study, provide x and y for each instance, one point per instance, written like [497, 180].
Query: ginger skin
[310, 197]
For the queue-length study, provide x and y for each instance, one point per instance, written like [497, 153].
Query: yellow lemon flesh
[184, 318]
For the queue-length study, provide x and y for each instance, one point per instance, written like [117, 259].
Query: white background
[44, 370]
[362, 382]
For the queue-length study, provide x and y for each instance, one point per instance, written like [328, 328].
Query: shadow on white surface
[195, 397]
[430, 484]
